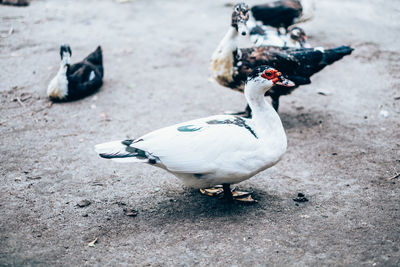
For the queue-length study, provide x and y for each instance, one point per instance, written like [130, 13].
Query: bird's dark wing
[293, 64]
[297, 65]
[278, 13]
[311, 61]
[96, 58]
[83, 79]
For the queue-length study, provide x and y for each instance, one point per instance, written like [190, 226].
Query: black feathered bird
[230, 65]
[282, 13]
[76, 81]
[297, 65]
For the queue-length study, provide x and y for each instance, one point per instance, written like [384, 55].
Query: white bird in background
[222, 149]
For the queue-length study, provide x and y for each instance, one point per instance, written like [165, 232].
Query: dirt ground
[343, 133]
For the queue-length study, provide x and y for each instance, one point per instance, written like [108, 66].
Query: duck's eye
[237, 9]
[268, 74]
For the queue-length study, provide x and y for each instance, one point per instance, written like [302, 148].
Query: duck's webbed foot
[212, 191]
[230, 195]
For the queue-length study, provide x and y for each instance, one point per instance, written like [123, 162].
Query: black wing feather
[298, 65]
[278, 13]
[79, 84]
[96, 57]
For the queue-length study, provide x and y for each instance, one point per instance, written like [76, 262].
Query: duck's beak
[66, 57]
[282, 81]
[303, 39]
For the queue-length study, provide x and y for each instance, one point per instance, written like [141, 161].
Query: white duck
[221, 149]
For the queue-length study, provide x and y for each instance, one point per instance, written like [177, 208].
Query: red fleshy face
[271, 74]
[277, 78]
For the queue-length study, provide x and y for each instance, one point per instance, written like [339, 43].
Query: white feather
[116, 147]
[91, 76]
[222, 58]
[110, 147]
[58, 86]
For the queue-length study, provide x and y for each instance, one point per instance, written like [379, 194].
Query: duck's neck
[264, 115]
[229, 43]
[58, 87]
[63, 69]
[65, 63]
[222, 59]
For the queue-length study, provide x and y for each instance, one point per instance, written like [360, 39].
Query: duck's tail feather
[96, 57]
[121, 151]
[334, 54]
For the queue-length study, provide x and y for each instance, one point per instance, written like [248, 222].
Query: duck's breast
[58, 86]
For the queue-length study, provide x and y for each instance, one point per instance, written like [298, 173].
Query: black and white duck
[221, 149]
[263, 36]
[230, 65]
[76, 81]
[283, 13]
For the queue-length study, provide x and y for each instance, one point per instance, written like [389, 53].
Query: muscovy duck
[76, 81]
[231, 65]
[215, 150]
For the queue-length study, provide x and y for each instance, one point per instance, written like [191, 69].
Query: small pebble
[384, 113]
[120, 203]
[130, 212]
[83, 203]
[300, 198]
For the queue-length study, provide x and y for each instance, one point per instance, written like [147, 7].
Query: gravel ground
[343, 151]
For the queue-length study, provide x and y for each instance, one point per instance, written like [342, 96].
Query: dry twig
[397, 175]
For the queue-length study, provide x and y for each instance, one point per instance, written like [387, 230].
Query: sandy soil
[343, 154]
